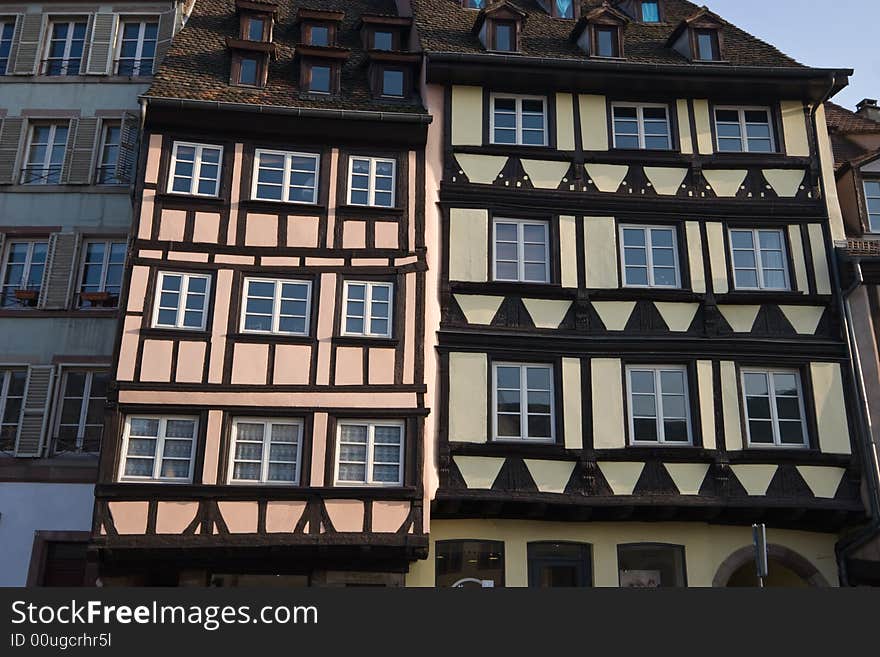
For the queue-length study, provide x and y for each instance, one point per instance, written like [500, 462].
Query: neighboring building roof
[445, 26]
[842, 122]
[198, 64]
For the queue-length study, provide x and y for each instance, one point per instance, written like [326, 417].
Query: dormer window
[319, 79]
[706, 42]
[318, 28]
[317, 35]
[256, 29]
[562, 8]
[698, 37]
[606, 42]
[248, 72]
[504, 36]
[600, 32]
[473, 4]
[256, 18]
[384, 33]
[499, 27]
[383, 40]
[650, 11]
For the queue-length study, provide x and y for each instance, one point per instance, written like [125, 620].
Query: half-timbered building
[641, 349]
[268, 421]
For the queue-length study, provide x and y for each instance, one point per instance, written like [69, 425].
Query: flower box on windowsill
[27, 297]
[99, 299]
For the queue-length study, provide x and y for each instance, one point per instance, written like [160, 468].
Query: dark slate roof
[444, 26]
[198, 64]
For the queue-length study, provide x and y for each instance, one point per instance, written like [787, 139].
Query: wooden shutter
[164, 36]
[87, 41]
[80, 153]
[27, 45]
[35, 413]
[61, 271]
[101, 48]
[10, 139]
[129, 139]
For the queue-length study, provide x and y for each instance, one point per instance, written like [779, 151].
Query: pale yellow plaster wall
[684, 126]
[468, 244]
[600, 252]
[695, 256]
[565, 122]
[794, 126]
[468, 405]
[733, 436]
[481, 169]
[706, 389]
[706, 546]
[826, 158]
[547, 313]
[607, 389]
[797, 256]
[594, 122]
[726, 183]
[820, 259]
[467, 113]
[568, 251]
[830, 407]
[703, 127]
[545, 174]
[478, 308]
[571, 400]
[717, 256]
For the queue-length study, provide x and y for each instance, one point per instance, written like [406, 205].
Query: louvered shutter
[35, 413]
[60, 271]
[164, 36]
[87, 41]
[13, 47]
[129, 140]
[78, 167]
[27, 46]
[101, 48]
[10, 139]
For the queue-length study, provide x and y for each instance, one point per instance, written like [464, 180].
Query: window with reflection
[469, 564]
[559, 565]
[650, 565]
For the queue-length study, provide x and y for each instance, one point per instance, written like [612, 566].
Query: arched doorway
[786, 568]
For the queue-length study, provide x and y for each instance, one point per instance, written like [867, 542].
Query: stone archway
[786, 557]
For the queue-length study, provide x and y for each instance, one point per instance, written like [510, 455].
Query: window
[65, 48]
[181, 301]
[319, 79]
[368, 309]
[256, 28]
[47, 143]
[523, 401]
[266, 451]
[774, 408]
[7, 29]
[158, 447]
[641, 126]
[101, 279]
[393, 81]
[650, 256]
[23, 273]
[645, 565]
[469, 564]
[109, 154]
[759, 261]
[659, 411]
[744, 130]
[607, 42]
[195, 169]
[473, 4]
[276, 306]
[650, 11]
[287, 177]
[136, 49]
[319, 35]
[872, 200]
[370, 453]
[248, 71]
[562, 8]
[12, 385]
[520, 120]
[707, 45]
[504, 36]
[383, 40]
[559, 565]
[522, 251]
[81, 417]
[371, 181]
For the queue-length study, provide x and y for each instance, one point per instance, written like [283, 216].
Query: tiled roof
[861, 247]
[444, 26]
[843, 121]
[198, 64]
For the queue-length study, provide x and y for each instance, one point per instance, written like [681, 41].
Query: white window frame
[518, 111]
[523, 404]
[759, 266]
[106, 126]
[197, 169]
[46, 166]
[872, 228]
[774, 413]
[276, 305]
[28, 262]
[89, 372]
[285, 183]
[371, 189]
[138, 58]
[105, 267]
[159, 454]
[371, 448]
[182, 296]
[640, 123]
[743, 135]
[520, 246]
[660, 416]
[6, 373]
[649, 255]
[267, 423]
[368, 309]
[68, 43]
[7, 20]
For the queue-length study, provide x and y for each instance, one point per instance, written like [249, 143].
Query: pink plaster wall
[154, 155]
[172, 224]
[319, 449]
[349, 366]
[354, 235]
[346, 515]
[190, 362]
[279, 261]
[302, 231]
[381, 366]
[369, 262]
[389, 516]
[207, 227]
[174, 517]
[261, 230]
[130, 517]
[325, 327]
[240, 517]
[145, 223]
[234, 195]
[411, 218]
[331, 204]
[325, 262]
[328, 399]
[128, 348]
[222, 295]
[137, 288]
[250, 363]
[226, 259]
[281, 517]
[184, 256]
[292, 364]
[409, 328]
[386, 235]
[156, 361]
[212, 446]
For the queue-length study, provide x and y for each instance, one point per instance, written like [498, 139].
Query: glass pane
[758, 407]
[353, 433]
[509, 425]
[141, 447]
[508, 401]
[352, 472]
[282, 472]
[538, 378]
[644, 429]
[246, 471]
[672, 382]
[507, 377]
[144, 427]
[643, 406]
[675, 431]
[174, 469]
[636, 276]
[642, 381]
[178, 448]
[760, 432]
[180, 429]
[539, 426]
[791, 433]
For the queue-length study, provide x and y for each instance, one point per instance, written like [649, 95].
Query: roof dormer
[599, 33]
[642, 11]
[499, 27]
[256, 20]
[319, 28]
[569, 9]
[252, 48]
[698, 37]
[385, 33]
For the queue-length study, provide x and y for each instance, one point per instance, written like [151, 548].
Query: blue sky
[845, 36]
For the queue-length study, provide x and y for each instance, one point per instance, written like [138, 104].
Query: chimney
[868, 109]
